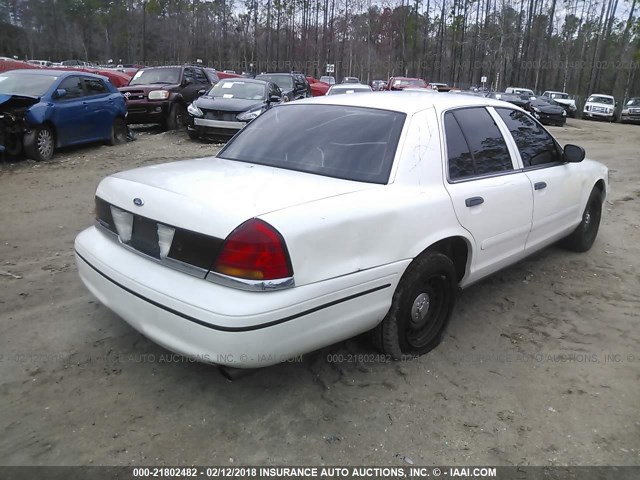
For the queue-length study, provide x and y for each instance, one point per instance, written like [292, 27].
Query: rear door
[557, 186]
[491, 196]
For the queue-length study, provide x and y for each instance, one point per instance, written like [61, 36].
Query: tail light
[254, 251]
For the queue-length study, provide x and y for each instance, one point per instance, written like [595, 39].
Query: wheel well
[600, 186]
[457, 249]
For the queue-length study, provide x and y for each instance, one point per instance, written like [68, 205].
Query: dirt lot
[540, 365]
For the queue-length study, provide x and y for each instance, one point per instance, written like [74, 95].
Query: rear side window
[535, 144]
[460, 161]
[352, 143]
[482, 138]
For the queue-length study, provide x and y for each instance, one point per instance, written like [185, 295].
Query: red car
[400, 83]
[318, 88]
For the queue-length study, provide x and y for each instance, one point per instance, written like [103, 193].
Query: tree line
[578, 46]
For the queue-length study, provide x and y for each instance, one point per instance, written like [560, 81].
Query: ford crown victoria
[369, 219]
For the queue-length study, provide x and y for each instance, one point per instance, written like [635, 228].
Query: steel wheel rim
[428, 311]
[44, 142]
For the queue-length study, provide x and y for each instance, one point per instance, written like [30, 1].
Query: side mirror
[59, 93]
[187, 81]
[202, 92]
[275, 99]
[573, 153]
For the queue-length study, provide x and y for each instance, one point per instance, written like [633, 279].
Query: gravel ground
[540, 364]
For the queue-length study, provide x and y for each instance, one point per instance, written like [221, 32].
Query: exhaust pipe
[231, 373]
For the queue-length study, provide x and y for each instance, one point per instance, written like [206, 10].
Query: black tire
[177, 117]
[407, 330]
[40, 143]
[582, 238]
[193, 134]
[119, 132]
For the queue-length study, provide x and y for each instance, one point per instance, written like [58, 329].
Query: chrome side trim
[250, 285]
[167, 262]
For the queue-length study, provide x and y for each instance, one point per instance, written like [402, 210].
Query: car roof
[276, 73]
[56, 73]
[601, 95]
[405, 102]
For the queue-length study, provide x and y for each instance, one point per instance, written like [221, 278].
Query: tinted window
[535, 144]
[73, 86]
[486, 144]
[200, 76]
[329, 140]
[460, 161]
[285, 82]
[95, 86]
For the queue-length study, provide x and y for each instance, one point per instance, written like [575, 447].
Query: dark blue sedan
[46, 109]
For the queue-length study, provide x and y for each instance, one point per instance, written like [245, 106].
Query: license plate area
[144, 236]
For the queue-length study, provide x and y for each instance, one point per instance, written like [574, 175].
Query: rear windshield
[352, 143]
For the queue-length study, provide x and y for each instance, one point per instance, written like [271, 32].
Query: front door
[557, 186]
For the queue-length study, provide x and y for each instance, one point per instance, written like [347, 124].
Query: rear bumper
[221, 325]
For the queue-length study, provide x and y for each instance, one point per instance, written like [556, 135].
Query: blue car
[42, 110]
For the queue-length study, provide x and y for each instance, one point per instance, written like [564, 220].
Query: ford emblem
[138, 202]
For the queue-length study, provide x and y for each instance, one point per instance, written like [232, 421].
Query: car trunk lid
[213, 196]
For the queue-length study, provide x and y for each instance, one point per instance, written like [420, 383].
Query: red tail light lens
[254, 251]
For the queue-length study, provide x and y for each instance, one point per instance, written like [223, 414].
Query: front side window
[73, 86]
[535, 144]
[488, 150]
[352, 143]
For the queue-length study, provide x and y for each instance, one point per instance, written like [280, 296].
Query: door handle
[473, 201]
[539, 185]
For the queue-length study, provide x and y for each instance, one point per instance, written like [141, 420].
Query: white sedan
[370, 217]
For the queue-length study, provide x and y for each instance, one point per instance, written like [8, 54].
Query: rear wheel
[118, 132]
[421, 307]
[177, 116]
[582, 238]
[39, 143]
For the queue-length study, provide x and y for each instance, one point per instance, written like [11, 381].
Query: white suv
[599, 106]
